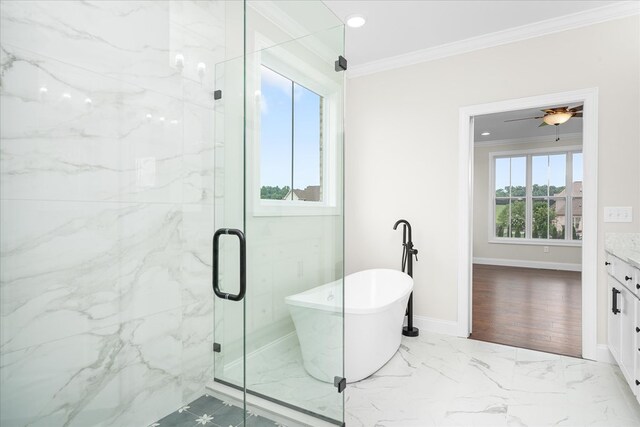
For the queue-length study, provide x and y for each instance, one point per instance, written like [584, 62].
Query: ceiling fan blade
[543, 124]
[525, 118]
[577, 115]
[554, 110]
[576, 108]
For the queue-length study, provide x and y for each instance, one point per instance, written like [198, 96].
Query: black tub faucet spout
[408, 252]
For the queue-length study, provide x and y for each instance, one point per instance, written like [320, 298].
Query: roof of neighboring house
[576, 204]
[311, 193]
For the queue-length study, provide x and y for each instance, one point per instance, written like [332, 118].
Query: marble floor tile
[437, 380]
[278, 372]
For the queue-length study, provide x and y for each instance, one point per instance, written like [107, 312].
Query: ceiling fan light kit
[557, 118]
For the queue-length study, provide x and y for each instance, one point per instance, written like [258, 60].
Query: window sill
[537, 242]
[295, 209]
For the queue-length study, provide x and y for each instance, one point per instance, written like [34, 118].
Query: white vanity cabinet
[623, 325]
[614, 317]
[628, 336]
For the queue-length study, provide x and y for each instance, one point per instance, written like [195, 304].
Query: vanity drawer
[635, 387]
[624, 273]
[635, 384]
[609, 263]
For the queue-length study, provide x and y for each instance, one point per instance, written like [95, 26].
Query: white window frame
[288, 65]
[528, 154]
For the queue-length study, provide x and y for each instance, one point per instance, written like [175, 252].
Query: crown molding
[529, 140]
[585, 18]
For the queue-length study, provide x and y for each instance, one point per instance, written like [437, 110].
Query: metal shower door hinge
[340, 383]
[217, 347]
[217, 94]
[341, 64]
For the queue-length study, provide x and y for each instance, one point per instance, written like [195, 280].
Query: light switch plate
[618, 214]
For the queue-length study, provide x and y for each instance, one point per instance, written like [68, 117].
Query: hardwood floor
[530, 308]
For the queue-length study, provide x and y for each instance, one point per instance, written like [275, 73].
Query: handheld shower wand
[408, 252]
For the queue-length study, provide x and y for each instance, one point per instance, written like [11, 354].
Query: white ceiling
[399, 27]
[495, 124]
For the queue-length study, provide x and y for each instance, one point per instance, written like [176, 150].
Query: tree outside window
[531, 199]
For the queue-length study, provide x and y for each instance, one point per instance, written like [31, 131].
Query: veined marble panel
[197, 355]
[69, 268]
[68, 134]
[196, 258]
[126, 374]
[205, 18]
[198, 157]
[437, 380]
[106, 171]
[277, 370]
[133, 41]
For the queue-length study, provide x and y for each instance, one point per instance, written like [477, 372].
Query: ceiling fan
[555, 116]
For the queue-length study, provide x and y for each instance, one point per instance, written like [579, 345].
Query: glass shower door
[228, 243]
[279, 180]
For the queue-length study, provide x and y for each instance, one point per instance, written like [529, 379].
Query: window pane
[502, 217]
[307, 145]
[502, 177]
[540, 220]
[577, 174]
[540, 175]
[518, 176]
[518, 220]
[275, 135]
[557, 218]
[557, 174]
[576, 206]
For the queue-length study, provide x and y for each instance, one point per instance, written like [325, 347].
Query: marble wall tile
[195, 55]
[196, 257]
[198, 158]
[126, 374]
[197, 355]
[106, 178]
[205, 18]
[69, 134]
[68, 268]
[133, 41]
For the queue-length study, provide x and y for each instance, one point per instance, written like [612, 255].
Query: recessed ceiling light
[485, 133]
[356, 21]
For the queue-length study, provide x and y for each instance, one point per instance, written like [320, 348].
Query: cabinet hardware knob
[607, 263]
[637, 382]
[627, 278]
[637, 285]
[637, 329]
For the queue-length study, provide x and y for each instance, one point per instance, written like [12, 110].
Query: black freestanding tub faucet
[408, 252]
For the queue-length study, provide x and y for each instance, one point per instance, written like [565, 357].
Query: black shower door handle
[243, 264]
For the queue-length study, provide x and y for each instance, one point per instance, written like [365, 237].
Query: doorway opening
[528, 223]
[527, 229]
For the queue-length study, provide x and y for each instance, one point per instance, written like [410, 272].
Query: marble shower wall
[106, 206]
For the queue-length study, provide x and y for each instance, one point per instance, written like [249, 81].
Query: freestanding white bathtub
[374, 309]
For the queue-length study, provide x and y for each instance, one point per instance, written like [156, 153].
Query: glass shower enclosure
[282, 189]
[131, 134]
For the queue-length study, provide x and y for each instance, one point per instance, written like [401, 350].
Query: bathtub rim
[295, 300]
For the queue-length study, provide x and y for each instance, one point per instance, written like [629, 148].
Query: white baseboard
[438, 326]
[528, 264]
[604, 355]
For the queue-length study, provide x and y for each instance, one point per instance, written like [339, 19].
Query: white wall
[402, 145]
[482, 230]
